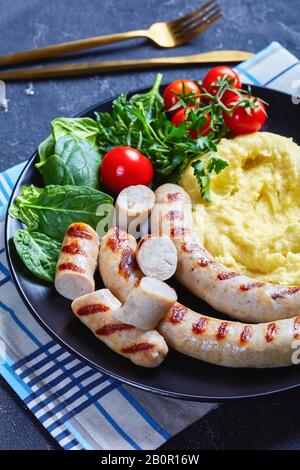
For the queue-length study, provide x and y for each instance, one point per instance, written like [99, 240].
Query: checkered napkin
[80, 407]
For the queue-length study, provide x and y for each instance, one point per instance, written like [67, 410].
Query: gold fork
[166, 34]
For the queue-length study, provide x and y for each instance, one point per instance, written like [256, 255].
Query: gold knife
[91, 68]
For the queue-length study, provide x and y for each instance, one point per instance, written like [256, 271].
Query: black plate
[179, 376]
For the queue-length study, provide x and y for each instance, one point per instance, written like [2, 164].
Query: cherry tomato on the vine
[240, 122]
[125, 166]
[218, 72]
[180, 87]
[181, 116]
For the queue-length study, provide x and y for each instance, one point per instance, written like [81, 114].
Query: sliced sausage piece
[133, 205]
[157, 256]
[171, 193]
[96, 311]
[147, 303]
[228, 343]
[77, 261]
[117, 250]
[228, 291]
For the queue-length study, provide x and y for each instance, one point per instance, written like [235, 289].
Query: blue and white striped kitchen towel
[80, 407]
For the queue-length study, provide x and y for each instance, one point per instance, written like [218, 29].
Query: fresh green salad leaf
[151, 102]
[52, 209]
[82, 128]
[21, 209]
[73, 161]
[46, 148]
[203, 170]
[38, 252]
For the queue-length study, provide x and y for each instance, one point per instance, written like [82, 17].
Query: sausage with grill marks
[117, 263]
[77, 261]
[230, 344]
[220, 342]
[96, 311]
[239, 296]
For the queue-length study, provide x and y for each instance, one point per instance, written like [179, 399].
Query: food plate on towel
[179, 376]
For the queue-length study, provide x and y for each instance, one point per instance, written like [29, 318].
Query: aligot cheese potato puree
[253, 222]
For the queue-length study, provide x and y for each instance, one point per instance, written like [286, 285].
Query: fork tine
[198, 27]
[195, 25]
[191, 14]
[191, 34]
[180, 27]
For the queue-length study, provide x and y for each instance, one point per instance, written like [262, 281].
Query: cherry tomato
[181, 116]
[125, 166]
[179, 86]
[220, 71]
[241, 122]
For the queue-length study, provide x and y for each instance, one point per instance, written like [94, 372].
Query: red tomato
[181, 116]
[229, 97]
[220, 71]
[125, 166]
[241, 122]
[179, 86]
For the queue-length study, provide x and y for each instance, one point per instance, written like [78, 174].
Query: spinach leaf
[82, 128]
[51, 210]
[74, 161]
[46, 148]
[21, 208]
[55, 171]
[38, 252]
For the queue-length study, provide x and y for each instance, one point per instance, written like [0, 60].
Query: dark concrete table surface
[271, 423]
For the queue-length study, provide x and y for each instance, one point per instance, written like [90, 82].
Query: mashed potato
[253, 222]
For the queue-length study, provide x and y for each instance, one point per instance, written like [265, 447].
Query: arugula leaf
[51, 210]
[203, 170]
[82, 128]
[151, 102]
[38, 252]
[74, 161]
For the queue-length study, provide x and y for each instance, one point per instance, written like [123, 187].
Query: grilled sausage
[77, 261]
[147, 303]
[157, 256]
[238, 296]
[228, 343]
[117, 263]
[217, 341]
[133, 206]
[96, 311]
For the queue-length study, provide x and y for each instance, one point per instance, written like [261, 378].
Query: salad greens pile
[72, 153]
[69, 161]
[142, 123]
